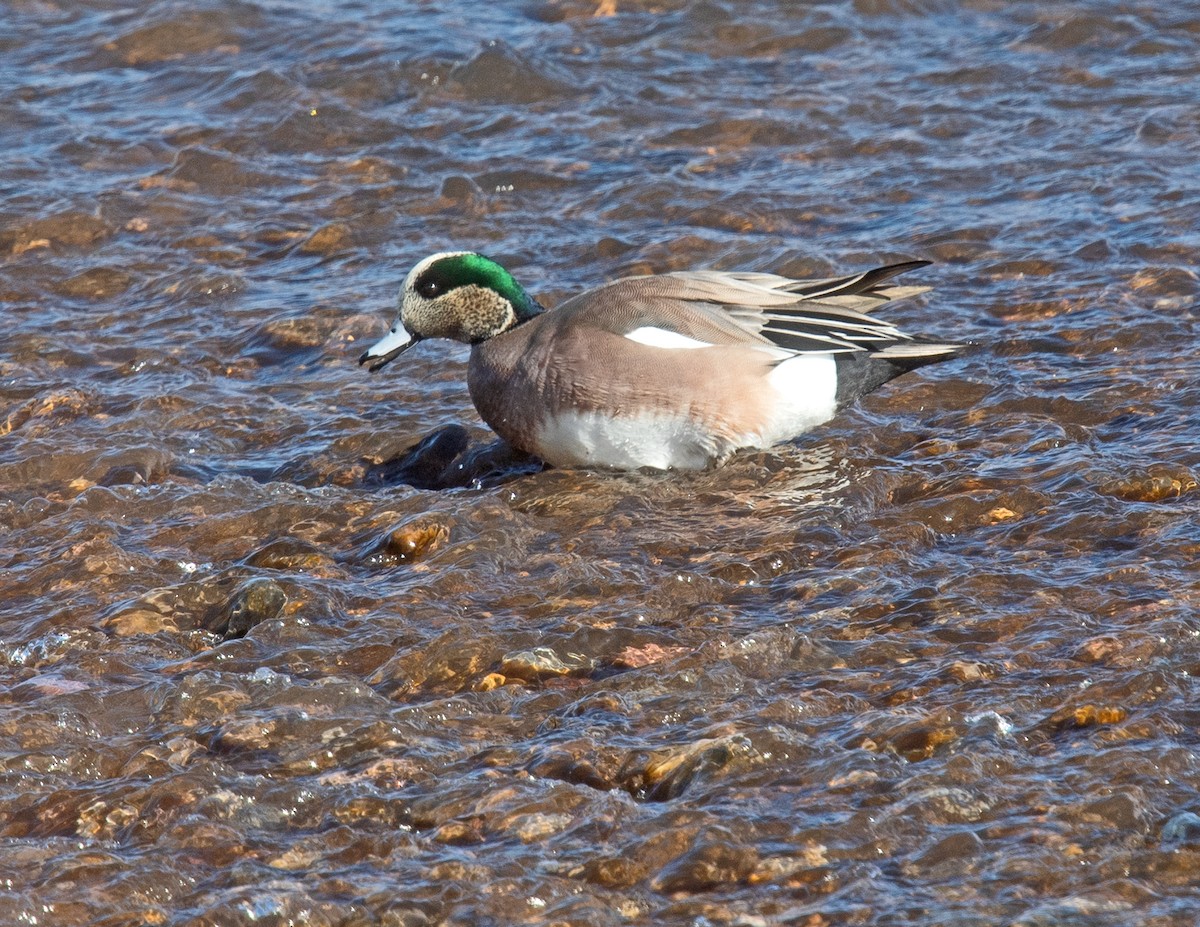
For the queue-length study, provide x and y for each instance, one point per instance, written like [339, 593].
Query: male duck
[674, 370]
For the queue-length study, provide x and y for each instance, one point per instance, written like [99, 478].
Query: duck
[671, 371]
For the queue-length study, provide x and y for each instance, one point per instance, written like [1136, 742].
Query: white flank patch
[626, 442]
[807, 395]
[663, 338]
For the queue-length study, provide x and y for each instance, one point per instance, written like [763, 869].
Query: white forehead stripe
[663, 338]
[432, 259]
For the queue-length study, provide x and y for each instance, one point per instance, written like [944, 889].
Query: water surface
[934, 663]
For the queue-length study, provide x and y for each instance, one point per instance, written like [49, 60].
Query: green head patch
[459, 270]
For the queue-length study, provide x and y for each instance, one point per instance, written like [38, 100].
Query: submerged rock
[445, 459]
[255, 601]
[498, 74]
[1182, 829]
[706, 867]
[423, 464]
[1151, 486]
[664, 775]
[542, 663]
[411, 541]
[288, 553]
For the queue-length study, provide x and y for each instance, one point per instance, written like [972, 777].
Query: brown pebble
[140, 621]
[97, 283]
[667, 774]
[618, 872]
[337, 236]
[922, 743]
[965, 671]
[71, 229]
[1083, 716]
[66, 405]
[490, 681]
[1150, 487]
[542, 663]
[417, 539]
[706, 867]
[1098, 649]
[289, 553]
[646, 655]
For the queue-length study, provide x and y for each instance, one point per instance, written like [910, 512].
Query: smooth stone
[255, 601]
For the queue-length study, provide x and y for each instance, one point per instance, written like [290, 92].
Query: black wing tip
[872, 278]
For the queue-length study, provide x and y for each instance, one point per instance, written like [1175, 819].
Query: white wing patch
[663, 338]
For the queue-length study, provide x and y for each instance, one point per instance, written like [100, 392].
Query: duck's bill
[388, 348]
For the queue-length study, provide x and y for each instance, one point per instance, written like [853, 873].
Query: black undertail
[864, 372]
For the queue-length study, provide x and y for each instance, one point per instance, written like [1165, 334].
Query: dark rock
[411, 541]
[1182, 829]
[443, 459]
[664, 775]
[255, 601]
[498, 74]
[423, 464]
[288, 554]
[542, 663]
[706, 867]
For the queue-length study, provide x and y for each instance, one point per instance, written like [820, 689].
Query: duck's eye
[430, 289]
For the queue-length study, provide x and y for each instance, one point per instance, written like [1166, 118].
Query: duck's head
[458, 295]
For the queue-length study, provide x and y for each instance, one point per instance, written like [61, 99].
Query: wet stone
[328, 239]
[913, 739]
[445, 459]
[707, 867]
[488, 465]
[499, 74]
[134, 467]
[46, 412]
[68, 229]
[1151, 487]
[404, 916]
[407, 543]
[209, 170]
[1084, 716]
[290, 554]
[423, 464]
[665, 775]
[542, 663]
[615, 872]
[97, 283]
[176, 38]
[570, 768]
[282, 337]
[461, 190]
[953, 853]
[255, 601]
[1182, 829]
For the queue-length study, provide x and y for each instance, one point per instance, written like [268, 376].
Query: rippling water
[934, 663]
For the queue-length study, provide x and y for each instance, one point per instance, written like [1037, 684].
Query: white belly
[593, 439]
[799, 394]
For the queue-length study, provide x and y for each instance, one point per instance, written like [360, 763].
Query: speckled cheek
[480, 313]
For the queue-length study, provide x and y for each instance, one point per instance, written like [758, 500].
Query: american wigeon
[672, 370]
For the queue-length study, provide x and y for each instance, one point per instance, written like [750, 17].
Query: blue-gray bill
[388, 348]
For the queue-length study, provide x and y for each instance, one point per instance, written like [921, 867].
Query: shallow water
[934, 663]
